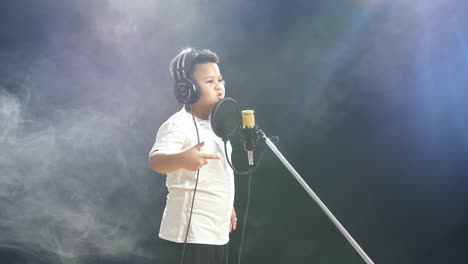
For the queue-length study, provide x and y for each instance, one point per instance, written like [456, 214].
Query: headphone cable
[194, 191]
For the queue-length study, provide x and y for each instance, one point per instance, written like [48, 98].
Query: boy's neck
[203, 113]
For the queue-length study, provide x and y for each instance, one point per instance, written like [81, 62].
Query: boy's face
[209, 80]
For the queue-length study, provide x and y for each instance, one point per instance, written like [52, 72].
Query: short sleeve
[170, 137]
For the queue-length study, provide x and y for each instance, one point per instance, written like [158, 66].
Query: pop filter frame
[225, 118]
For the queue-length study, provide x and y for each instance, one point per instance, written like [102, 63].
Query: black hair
[194, 57]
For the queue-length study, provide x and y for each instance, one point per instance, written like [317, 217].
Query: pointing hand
[194, 159]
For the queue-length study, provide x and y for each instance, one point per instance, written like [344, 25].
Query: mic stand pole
[315, 197]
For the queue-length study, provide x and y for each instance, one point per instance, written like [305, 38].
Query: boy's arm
[190, 159]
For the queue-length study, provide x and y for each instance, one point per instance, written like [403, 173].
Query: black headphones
[186, 91]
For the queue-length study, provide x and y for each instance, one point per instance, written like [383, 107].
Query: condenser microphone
[248, 133]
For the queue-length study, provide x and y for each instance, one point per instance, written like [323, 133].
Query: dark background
[368, 98]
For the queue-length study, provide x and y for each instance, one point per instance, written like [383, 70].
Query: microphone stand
[306, 187]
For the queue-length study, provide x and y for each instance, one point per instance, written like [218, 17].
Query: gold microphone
[248, 133]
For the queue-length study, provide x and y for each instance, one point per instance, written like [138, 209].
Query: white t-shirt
[214, 199]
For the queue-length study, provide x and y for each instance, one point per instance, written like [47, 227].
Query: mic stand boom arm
[315, 197]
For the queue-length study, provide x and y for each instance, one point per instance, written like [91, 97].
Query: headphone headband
[183, 64]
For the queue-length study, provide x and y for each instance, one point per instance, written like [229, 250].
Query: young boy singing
[193, 158]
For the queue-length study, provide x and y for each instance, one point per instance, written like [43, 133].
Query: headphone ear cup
[186, 91]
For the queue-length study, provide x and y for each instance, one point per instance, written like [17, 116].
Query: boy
[186, 149]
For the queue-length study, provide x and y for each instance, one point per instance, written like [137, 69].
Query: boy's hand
[193, 159]
[233, 224]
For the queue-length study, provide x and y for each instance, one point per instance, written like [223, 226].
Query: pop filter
[225, 118]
